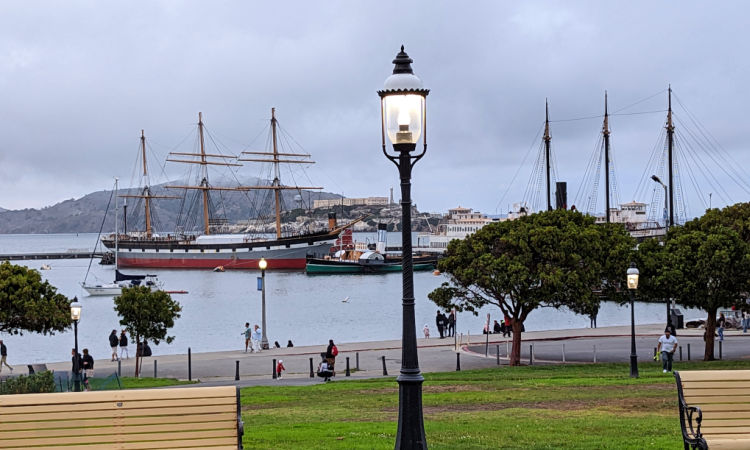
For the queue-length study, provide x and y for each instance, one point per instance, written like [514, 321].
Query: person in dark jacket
[331, 353]
[496, 328]
[440, 323]
[113, 343]
[124, 345]
[289, 344]
[76, 360]
[87, 364]
[452, 323]
[4, 357]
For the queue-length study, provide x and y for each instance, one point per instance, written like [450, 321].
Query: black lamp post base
[410, 434]
[633, 366]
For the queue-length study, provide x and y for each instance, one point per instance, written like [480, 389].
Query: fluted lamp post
[632, 286]
[403, 106]
[75, 315]
[666, 227]
[262, 264]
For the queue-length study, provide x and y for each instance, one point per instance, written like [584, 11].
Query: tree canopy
[556, 258]
[147, 315]
[29, 304]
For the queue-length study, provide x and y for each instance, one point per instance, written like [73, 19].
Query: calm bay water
[306, 309]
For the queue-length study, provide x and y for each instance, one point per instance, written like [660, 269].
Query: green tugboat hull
[335, 267]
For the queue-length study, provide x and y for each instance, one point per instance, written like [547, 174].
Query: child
[280, 368]
[426, 331]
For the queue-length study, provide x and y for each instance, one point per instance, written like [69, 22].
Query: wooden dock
[61, 255]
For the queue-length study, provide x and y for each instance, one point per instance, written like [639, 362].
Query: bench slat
[715, 392]
[77, 398]
[715, 384]
[186, 410]
[119, 421]
[723, 407]
[229, 427]
[729, 444]
[732, 422]
[213, 444]
[146, 439]
[715, 399]
[715, 375]
[125, 405]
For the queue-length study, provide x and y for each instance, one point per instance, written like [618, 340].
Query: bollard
[458, 362]
[498, 354]
[236, 371]
[357, 360]
[680, 353]
[119, 368]
[190, 366]
[688, 351]
[595, 354]
[531, 354]
[274, 369]
[385, 372]
[312, 372]
[348, 373]
[655, 353]
[155, 369]
[720, 348]
[563, 352]
[507, 353]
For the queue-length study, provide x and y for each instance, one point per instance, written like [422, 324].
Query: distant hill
[84, 215]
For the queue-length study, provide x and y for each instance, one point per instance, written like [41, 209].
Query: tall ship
[207, 249]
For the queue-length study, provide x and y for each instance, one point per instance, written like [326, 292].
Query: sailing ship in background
[207, 250]
[121, 280]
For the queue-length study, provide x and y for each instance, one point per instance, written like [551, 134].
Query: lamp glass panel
[633, 281]
[403, 117]
[75, 311]
[262, 264]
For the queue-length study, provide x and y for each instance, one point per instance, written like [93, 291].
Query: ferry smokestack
[561, 195]
[380, 245]
[332, 221]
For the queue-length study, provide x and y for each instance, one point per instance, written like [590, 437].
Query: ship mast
[275, 158]
[605, 132]
[146, 192]
[670, 148]
[547, 140]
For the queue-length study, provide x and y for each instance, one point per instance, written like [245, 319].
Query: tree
[147, 315]
[550, 259]
[29, 304]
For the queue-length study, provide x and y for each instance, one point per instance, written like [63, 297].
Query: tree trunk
[137, 358]
[708, 354]
[515, 353]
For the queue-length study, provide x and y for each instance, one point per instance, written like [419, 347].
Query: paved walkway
[609, 344]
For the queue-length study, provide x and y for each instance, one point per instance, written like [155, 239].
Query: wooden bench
[714, 408]
[205, 417]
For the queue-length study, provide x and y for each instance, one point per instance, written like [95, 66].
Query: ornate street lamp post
[403, 106]
[632, 286]
[75, 314]
[262, 264]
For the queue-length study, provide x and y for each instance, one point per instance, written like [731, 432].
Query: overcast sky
[79, 80]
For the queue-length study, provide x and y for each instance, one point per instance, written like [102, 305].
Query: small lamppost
[262, 264]
[402, 107]
[632, 286]
[75, 314]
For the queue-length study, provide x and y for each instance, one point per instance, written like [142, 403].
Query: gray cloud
[78, 81]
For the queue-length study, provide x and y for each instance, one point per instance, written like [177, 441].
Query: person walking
[720, 326]
[248, 336]
[426, 331]
[4, 357]
[452, 323]
[124, 345]
[113, 343]
[280, 368]
[666, 347]
[256, 338]
[508, 328]
[87, 364]
[745, 321]
[331, 352]
[77, 363]
[439, 323]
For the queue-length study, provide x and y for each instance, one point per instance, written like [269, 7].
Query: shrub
[31, 384]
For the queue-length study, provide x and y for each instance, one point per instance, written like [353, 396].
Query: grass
[572, 406]
[102, 384]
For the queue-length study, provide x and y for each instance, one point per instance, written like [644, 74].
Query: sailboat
[121, 280]
[206, 250]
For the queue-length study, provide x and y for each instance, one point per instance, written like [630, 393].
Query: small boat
[45, 267]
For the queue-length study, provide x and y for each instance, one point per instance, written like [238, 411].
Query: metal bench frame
[691, 434]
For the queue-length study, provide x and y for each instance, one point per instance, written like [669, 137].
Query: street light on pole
[75, 314]
[632, 286]
[666, 226]
[403, 107]
[262, 264]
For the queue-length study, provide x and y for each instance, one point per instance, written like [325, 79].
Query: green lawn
[573, 406]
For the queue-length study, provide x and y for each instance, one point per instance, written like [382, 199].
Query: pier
[70, 254]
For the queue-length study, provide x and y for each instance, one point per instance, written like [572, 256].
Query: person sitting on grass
[324, 371]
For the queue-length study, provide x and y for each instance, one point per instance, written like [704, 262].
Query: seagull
[346, 300]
